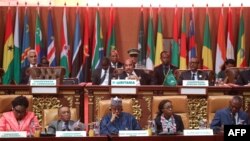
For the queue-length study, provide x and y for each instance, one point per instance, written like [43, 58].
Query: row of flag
[186, 48]
[80, 58]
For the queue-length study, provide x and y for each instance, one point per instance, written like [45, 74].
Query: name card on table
[201, 83]
[42, 82]
[12, 134]
[123, 82]
[126, 133]
[200, 132]
[70, 133]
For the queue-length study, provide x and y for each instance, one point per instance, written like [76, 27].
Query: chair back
[1, 74]
[233, 73]
[50, 115]
[180, 107]
[215, 103]
[6, 100]
[104, 107]
[47, 73]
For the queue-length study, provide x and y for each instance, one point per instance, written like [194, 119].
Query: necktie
[193, 76]
[103, 77]
[67, 126]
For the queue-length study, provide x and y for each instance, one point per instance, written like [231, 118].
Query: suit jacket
[145, 78]
[187, 76]
[158, 74]
[178, 122]
[96, 76]
[224, 117]
[58, 125]
[119, 65]
[25, 77]
[244, 78]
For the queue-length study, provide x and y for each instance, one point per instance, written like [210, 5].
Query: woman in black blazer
[166, 121]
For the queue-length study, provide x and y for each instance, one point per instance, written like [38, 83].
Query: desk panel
[101, 138]
[170, 138]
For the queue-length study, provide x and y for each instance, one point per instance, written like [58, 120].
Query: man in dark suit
[32, 58]
[163, 69]
[64, 123]
[244, 78]
[135, 74]
[114, 62]
[103, 75]
[193, 73]
[231, 115]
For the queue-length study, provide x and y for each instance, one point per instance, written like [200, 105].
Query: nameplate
[122, 82]
[42, 82]
[201, 83]
[123, 90]
[43, 90]
[126, 133]
[193, 91]
[70, 133]
[19, 134]
[200, 132]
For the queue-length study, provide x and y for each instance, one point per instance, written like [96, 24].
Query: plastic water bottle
[97, 127]
[203, 124]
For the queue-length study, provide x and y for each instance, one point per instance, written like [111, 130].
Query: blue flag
[26, 41]
[77, 51]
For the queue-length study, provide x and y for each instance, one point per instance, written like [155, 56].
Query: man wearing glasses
[117, 120]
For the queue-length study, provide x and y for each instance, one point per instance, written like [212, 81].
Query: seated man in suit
[114, 62]
[193, 73]
[232, 115]
[135, 74]
[117, 120]
[64, 123]
[163, 69]
[103, 75]
[32, 58]
[244, 78]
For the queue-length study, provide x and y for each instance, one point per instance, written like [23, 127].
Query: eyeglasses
[168, 107]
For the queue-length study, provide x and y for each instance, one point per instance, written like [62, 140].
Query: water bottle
[203, 124]
[97, 127]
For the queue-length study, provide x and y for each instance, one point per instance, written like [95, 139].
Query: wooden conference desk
[116, 138]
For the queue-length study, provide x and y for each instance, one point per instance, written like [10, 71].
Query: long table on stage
[116, 138]
[100, 138]
[170, 138]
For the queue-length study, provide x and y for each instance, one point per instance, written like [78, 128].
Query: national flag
[150, 43]
[38, 38]
[206, 49]
[17, 65]
[86, 58]
[8, 52]
[230, 38]
[183, 52]
[97, 49]
[25, 41]
[77, 51]
[111, 45]
[51, 49]
[65, 48]
[241, 58]
[192, 43]
[175, 45]
[221, 45]
[141, 43]
[159, 40]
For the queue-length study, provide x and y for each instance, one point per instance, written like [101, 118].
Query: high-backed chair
[52, 114]
[210, 73]
[104, 107]
[233, 73]
[180, 107]
[6, 100]
[1, 74]
[47, 73]
[215, 103]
